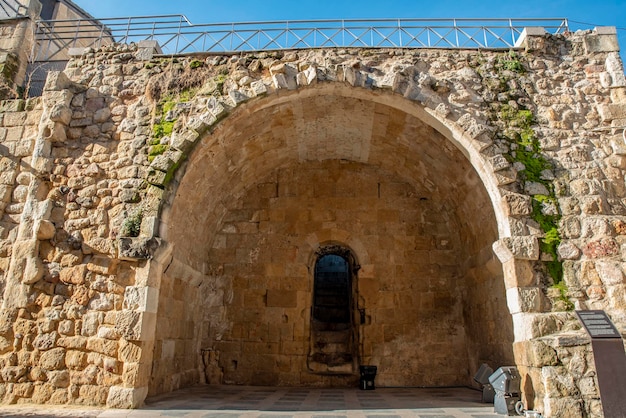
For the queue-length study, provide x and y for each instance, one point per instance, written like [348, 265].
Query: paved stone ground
[264, 402]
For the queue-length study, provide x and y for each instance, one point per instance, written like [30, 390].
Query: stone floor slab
[262, 402]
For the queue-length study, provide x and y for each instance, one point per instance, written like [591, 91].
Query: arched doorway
[287, 177]
[334, 326]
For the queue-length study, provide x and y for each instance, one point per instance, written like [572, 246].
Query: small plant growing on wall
[132, 225]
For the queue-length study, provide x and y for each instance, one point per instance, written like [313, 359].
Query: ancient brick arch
[152, 241]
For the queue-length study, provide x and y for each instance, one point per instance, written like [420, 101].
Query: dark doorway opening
[333, 332]
[332, 290]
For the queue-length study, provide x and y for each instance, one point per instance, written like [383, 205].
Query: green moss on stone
[517, 123]
[156, 150]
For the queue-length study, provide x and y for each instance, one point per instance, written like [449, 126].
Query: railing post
[130, 19]
[400, 33]
[343, 33]
[232, 35]
[456, 34]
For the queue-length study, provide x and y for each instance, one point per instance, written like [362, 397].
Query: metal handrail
[12, 9]
[177, 35]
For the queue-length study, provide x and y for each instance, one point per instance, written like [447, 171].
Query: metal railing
[177, 35]
[12, 9]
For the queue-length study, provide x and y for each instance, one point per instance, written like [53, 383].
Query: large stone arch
[337, 129]
[101, 268]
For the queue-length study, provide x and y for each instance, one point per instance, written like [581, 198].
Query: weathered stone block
[515, 204]
[74, 275]
[77, 343]
[102, 265]
[142, 298]
[524, 299]
[522, 248]
[281, 298]
[53, 359]
[603, 40]
[57, 81]
[140, 248]
[136, 326]
[103, 346]
[126, 398]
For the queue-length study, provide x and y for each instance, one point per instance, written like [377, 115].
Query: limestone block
[141, 298]
[308, 76]
[528, 36]
[25, 266]
[521, 248]
[528, 326]
[610, 272]
[74, 275]
[108, 333]
[258, 87]
[536, 353]
[130, 352]
[46, 341]
[237, 97]
[57, 81]
[567, 250]
[280, 81]
[216, 107]
[75, 360]
[44, 230]
[53, 359]
[156, 177]
[59, 379]
[103, 346]
[282, 298]
[78, 343]
[140, 248]
[91, 322]
[23, 390]
[11, 374]
[60, 113]
[184, 141]
[92, 394]
[101, 302]
[604, 39]
[562, 406]
[126, 398]
[102, 265]
[533, 188]
[524, 299]
[136, 326]
[14, 119]
[515, 204]
[354, 77]
[611, 111]
[601, 248]
[518, 273]
[162, 163]
[498, 162]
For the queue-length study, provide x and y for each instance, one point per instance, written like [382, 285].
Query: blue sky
[581, 14]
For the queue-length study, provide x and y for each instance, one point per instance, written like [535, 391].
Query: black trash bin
[368, 374]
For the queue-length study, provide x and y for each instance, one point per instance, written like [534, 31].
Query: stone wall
[161, 217]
